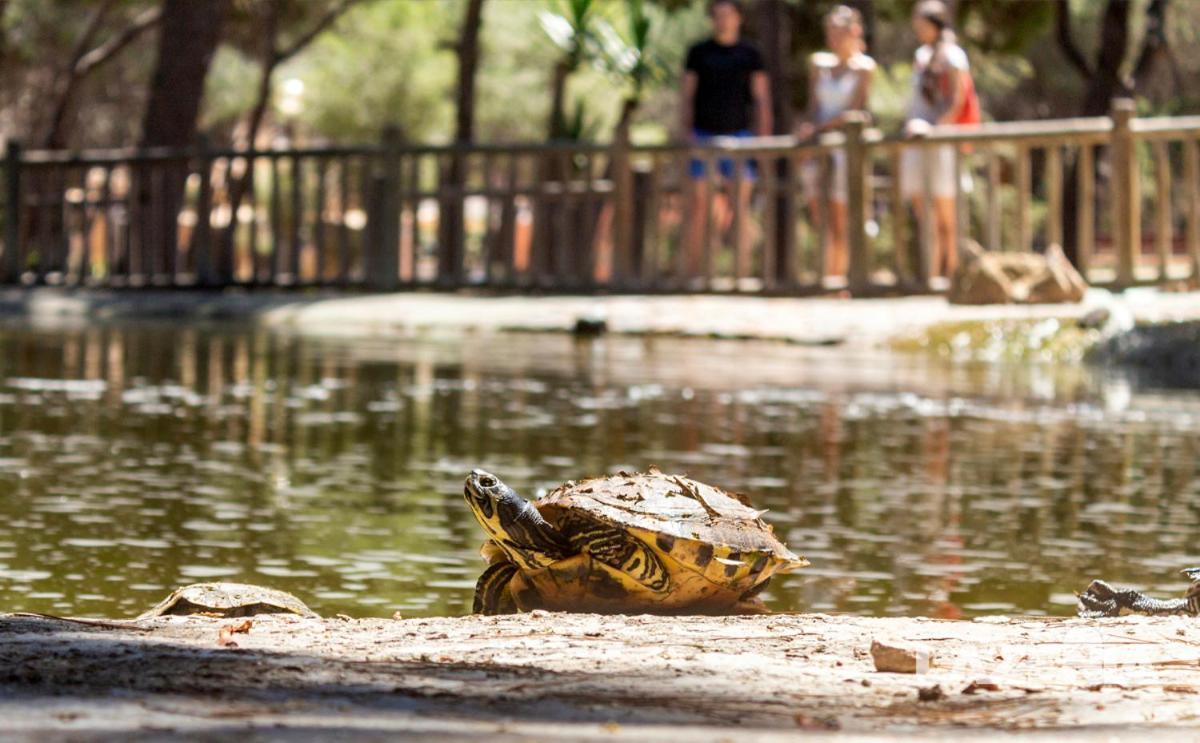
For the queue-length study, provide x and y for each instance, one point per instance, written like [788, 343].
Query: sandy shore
[585, 677]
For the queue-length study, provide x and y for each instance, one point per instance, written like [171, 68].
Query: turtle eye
[487, 482]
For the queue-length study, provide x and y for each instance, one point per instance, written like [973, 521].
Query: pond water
[136, 458]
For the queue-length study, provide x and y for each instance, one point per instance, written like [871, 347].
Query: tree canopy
[85, 73]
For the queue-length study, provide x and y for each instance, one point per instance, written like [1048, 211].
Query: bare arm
[863, 93]
[687, 105]
[760, 89]
[808, 125]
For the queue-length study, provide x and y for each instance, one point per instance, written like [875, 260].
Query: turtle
[228, 600]
[629, 543]
[1100, 599]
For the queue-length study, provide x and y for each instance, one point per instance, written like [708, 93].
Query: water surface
[135, 458]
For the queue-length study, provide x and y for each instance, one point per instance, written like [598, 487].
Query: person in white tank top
[839, 81]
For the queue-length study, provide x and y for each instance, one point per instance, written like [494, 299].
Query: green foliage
[891, 88]
[1047, 341]
[384, 66]
[632, 58]
[229, 90]
[1004, 26]
[579, 124]
[573, 31]
[390, 61]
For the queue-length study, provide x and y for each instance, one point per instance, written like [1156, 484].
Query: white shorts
[943, 181]
[810, 177]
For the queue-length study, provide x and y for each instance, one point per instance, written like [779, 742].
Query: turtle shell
[697, 527]
[228, 600]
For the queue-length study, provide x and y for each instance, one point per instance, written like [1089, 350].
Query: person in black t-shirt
[725, 94]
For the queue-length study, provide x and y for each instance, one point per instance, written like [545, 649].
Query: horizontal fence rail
[1121, 194]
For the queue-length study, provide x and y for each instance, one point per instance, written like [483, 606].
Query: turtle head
[512, 522]
[493, 503]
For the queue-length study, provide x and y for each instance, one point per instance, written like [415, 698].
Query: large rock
[1162, 354]
[985, 277]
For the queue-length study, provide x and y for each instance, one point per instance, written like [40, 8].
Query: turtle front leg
[492, 591]
[1102, 600]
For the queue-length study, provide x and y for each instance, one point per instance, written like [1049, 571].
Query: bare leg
[837, 256]
[816, 219]
[918, 207]
[945, 233]
[820, 227]
[745, 191]
[693, 228]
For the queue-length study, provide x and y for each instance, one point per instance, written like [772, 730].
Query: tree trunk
[272, 57]
[1103, 84]
[452, 236]
[190, 33]
[556, 128]
[774, 30]
[1106, 80]
[774, 35]
[191, 30]
[240, 186]
[1155, 48]
[468, 63]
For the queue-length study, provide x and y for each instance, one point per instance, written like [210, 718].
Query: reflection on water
[134, 459]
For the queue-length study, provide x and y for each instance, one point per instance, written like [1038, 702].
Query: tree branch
[272, 57]
[321, 25]
[89, 33]
[84, 62]
[1066, 41]
[111, 48]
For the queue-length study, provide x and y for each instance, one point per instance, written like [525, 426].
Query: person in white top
[938, 97]
[839, 81]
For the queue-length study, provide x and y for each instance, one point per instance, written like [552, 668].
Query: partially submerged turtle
[228, 600]
[641, 543]
[1102, 600]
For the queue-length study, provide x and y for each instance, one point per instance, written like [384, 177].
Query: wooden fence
[730, 216]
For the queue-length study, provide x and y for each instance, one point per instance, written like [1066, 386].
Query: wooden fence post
[452, 235]
[383, 261]
[1085, 229]
[11, 271]
[1126, 192]
[207, 273]
[859, 272]
[926, 231]
[622, 251]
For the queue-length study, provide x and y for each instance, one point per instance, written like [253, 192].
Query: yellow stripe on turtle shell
[723, 565]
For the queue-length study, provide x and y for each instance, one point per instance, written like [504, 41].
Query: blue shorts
[698, 169]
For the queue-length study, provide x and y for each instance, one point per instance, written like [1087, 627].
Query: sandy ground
[543, 676]
[810, 320]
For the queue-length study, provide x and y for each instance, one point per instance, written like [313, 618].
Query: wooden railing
[583, 217]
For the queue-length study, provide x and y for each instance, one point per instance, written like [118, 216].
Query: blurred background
[87, 73]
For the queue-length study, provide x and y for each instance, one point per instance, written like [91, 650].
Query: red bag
[970, 112]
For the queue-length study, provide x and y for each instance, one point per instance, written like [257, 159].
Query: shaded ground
[589, 677]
